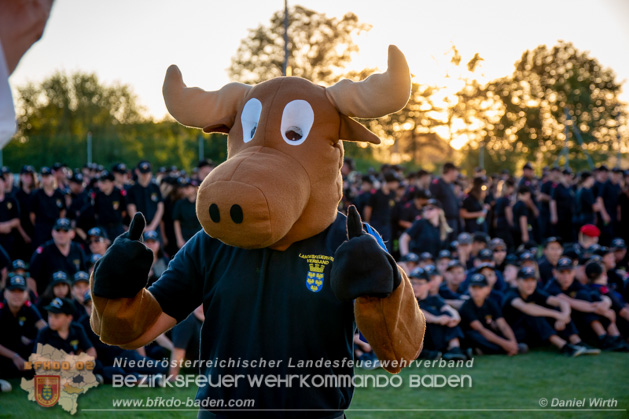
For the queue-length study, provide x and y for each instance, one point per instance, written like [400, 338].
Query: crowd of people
[497, 263]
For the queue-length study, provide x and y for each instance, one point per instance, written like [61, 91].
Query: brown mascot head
[281, 182]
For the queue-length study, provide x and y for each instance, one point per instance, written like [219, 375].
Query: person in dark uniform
[60, 286]
[484, 327]
[528, 179]
[145, 197]
[533, 315]
[442, 190]
[585, 203]
[562, 207]
[548, 183]
[24, 194]
[186, 337]
[522, 218]
[185, 219]
[62, 332]
[10, 225]
[79, 198]
[601, 176]
[588, 315]
[503, 213]
[450, 290]
[80, 286]
[610, 195]
[412, 210]
[553, 249]
[19, 322]
[364, 194]
[110, 206]
[121, 176]
[443, 333]
[59, 254]
[473, 209]
[426, 233]
[47, 205]
[378, 209]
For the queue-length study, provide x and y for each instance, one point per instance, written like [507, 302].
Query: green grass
[498, 382]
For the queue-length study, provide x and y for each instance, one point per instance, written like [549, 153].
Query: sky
[133, 42]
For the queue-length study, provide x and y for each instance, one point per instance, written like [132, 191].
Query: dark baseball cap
[528, 166]
[480, 237]
[512, 259]
[18, 264]
[485, 266]
[603, 250]
[455, 263]
[478, 280]
[527, 272]
[432, 202]
[497, 243]
[565, 263]
[444, 254]
[145, 167]
[60, 277]
[618, 244]
[16, 282]
[552, 239]
[81, 276]
[424, 256]
[106, 175]
[96, 232]
[431, 270]
[44, 171]
[486, 255]
[27, 168]
[60, 305]
[464, 238]
[62, 224]
[419, 273]
[410, 257]
[119, 168]
[91, 261]
[526, 256]
[150, 235]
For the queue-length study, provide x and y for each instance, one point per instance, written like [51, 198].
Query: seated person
[19, 322]
[442, 330]
[62, 332]
[451, 290]
[534, 318]
[408, 262]
[485, 329]
[490, 274]
[611, 304]
[59, 287]
[435, 279]
[97, 241]
[425, 259]
[19, 268]
[80, 286]
[443, 259]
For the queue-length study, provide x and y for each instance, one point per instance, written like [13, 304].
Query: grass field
[497, 382]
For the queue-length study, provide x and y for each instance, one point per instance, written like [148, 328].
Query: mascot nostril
[291, 281]
[215, 214]
[236, 213]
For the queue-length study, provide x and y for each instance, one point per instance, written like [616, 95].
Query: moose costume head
[281, 182]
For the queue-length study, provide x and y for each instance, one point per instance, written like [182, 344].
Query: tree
[320, 47]
[530, 107]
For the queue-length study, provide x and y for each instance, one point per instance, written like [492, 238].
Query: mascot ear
[354, 131]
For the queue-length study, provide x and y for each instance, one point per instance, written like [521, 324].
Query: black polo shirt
[575, 290]
[425, 237]
[78, 202]
[610, 194]
[145, 199]
[76, 341]
[444, 193]
[9, 210]
[564, 197]
[382, 205]
[265, 304]
[108, 209]
[14, 327]
[47, 209]
[511, 313]
[47, 260]
[487, 314]
[186, 213]
[520, 209]
[432, 304]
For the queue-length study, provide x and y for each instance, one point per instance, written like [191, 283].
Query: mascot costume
[283, 277]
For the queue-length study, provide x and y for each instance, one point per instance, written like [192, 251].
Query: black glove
[361, 267]
[124, 269]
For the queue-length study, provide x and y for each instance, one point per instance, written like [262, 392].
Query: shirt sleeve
[415, 229]
[468, 315]
[494, 309]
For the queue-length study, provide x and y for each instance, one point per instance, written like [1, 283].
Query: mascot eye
[249, 118]
[297, 121]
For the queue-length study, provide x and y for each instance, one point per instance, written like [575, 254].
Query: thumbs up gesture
[124, 269]
[361, 267]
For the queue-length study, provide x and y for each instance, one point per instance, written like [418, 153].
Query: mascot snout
[254, 198]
